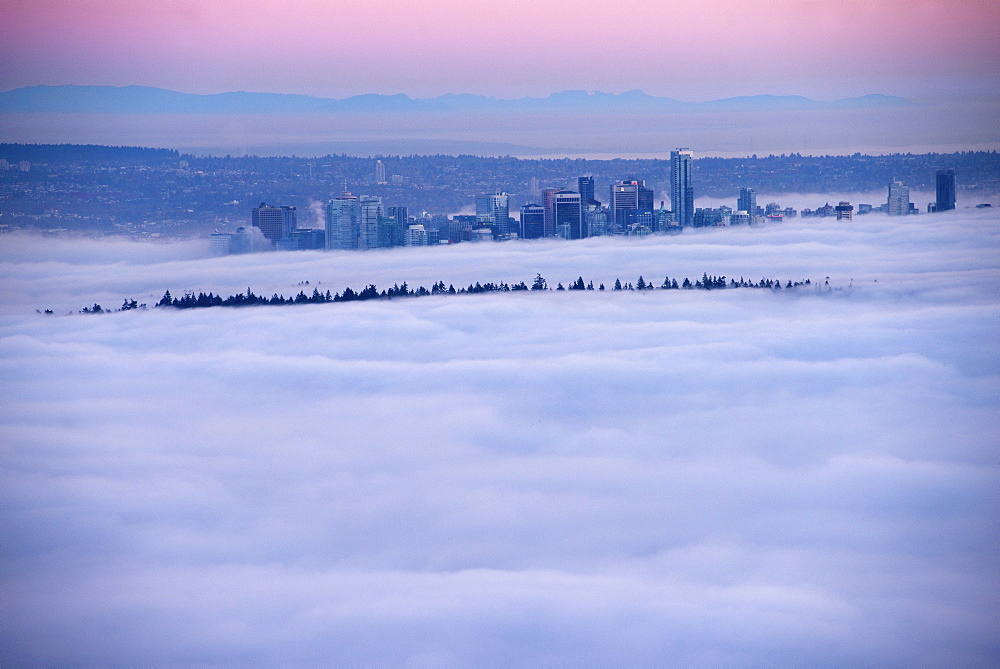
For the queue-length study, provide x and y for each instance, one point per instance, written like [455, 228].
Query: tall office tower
[533, 189]
[585, 186]
[371, 212]
[681, 191]
[401, 214]
[494, 211]
[845, 211]
[416, 235]
[664, 218]
[595, 219]
[549, 204]
[568, 214]
[220, 241]
[747, 202]
[899, 199]
[342, 219]
[628, 198]
[390, 233]
[945, 190]
[379, 172]
[645, 197]
[532, 221]
[274, 222]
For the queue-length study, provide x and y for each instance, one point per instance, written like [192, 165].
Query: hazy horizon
[917, 129]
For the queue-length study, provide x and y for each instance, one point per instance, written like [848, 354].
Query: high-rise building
[568, 214]
[681, 191]
[368, 226]
[379, 172]
[532, 221]
[343, 216]
[645, 198]
[401, 214]
[899, 199]
[845, 211]
[747, 202]
[549, 206]
[585, 187]
[303, 239]
[274, 222]
[416, 235]
[390, 233]
[393, 228]
[945, 182]
[664, 218]
[595, 220]
[494, 211]
[220, 242]
[628, 198]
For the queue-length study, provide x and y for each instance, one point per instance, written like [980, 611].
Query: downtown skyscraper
[585, 187]
[898, 202]
[628, 198]
[568, 215]
[274, 223]
[532, 221]
[343, 217]
[371, 213]
[681, 191]
[494, 211]
[747, 202]
[945, 190]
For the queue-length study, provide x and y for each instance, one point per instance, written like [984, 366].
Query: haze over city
[575, 380]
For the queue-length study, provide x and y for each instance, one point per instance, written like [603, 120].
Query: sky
[600, 478]
[921, 49]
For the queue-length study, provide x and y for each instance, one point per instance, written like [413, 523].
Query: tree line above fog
[190, 300]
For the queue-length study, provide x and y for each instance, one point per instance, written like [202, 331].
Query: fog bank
[731, 477]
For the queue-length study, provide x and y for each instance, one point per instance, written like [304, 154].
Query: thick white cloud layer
[670, 477]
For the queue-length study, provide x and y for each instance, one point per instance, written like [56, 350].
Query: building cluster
[21, 165]
[353, 222]
[747, 212]
[364, 222]
[897, 204]
[898, 200]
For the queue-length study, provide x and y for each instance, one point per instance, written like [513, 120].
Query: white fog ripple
[731, 477]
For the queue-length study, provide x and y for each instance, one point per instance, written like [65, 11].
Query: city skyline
[938, 50]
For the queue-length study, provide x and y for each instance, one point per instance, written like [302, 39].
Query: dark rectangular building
[945, 183]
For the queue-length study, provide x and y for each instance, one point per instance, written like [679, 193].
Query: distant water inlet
[912, 129]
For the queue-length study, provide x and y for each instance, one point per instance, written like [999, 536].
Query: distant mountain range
[149, 100]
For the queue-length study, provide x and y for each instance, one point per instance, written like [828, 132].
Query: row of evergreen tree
[190, 300]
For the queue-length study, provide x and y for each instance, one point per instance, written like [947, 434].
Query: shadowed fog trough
[583, 478]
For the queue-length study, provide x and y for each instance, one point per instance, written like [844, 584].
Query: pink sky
[921, 49]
